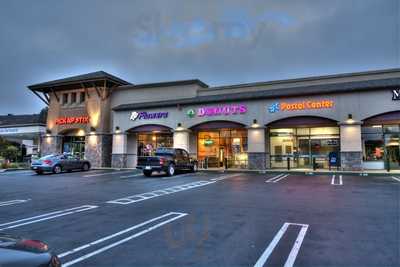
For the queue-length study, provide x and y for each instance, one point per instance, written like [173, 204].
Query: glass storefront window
[381, 146]
[301, 145]
[216, 145]
[74, 145]
[149, 142]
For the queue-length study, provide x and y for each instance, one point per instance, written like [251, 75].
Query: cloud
[219, 42]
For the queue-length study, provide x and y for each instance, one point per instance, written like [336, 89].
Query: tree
[10, 152]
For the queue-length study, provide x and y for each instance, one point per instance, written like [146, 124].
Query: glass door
[392, 148]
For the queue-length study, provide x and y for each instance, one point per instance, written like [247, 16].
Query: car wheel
[194, 168]
[171, 170]
[85, 167]
[57, 169]
[147, 173]
[39, 172]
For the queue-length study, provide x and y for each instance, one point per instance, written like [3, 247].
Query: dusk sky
[218, 42]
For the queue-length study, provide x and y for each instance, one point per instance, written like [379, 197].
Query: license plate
[35, 168]
[148, 168]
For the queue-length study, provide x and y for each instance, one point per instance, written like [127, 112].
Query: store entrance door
[221, 156]
[393, 151]
[74, 145]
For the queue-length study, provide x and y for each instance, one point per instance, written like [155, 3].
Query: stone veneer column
[98, 149]
[350, 147]
[257, 156]
[119, 151]
[181, 139]
[50, 144]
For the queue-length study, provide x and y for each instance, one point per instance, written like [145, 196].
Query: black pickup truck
[168, 160]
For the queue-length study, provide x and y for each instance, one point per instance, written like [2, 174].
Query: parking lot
[121, 218]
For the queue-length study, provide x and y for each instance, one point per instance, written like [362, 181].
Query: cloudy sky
[220, 42]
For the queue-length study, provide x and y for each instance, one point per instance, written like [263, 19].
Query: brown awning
[302, 121]
[385, 118]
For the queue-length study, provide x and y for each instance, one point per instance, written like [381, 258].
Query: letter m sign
[396, 94]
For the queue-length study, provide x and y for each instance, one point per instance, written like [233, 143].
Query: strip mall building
[352, 120]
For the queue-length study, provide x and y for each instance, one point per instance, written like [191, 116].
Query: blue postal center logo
[147, 115]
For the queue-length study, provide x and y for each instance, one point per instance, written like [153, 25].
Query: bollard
[206, 163]
[226, 163]
[387, 164]
[314, 162]
[288, 163]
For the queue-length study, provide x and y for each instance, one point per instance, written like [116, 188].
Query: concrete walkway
[308, 171]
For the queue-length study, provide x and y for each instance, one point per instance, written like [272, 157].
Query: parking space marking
[224, 177]
[158, 193]
[130, 176]
[340, 180]
[176, 216]
[14, 172]
[181, 176]
[396, 178]
[13, 202]
[46, 216]
[295, 249]
[105, 173]
[277, 178]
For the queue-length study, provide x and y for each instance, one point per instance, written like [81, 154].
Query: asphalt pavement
[121, 218]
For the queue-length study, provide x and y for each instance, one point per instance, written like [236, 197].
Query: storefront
[221, 144]
[380, 139]
[348, 121]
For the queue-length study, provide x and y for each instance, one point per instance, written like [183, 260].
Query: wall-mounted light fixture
[350, 119]
[255, 124]
[92, 130]
[48, 132]
[117, 129]
[179, 126]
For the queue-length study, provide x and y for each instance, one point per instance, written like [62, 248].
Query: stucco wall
[138, 95]
[361, 105]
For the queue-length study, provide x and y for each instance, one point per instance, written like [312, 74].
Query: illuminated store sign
[301, 105]
[73, 120]
[396, 94]
[148, 115]
[233, 109]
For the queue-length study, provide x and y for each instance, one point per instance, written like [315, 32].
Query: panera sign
[73, 120]
[396, 94]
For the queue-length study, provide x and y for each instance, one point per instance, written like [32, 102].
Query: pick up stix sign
[73, 120]
[301, 105]
[226, 110]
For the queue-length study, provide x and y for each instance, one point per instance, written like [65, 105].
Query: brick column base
[119, 160]
[351, 161]
[257, 160]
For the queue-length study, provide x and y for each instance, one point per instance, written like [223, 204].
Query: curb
[16, 169]
[311, 172]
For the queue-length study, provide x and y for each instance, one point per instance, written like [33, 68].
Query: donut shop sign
[226, 110]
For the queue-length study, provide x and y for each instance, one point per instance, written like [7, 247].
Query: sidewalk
[307, 171]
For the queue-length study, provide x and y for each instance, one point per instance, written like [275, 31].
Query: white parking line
[14, 172]
[340, 180]
[158, 193]
[105, 173]
[130, 176]
[45, 217]
[226, 177]
[277, 178]
[395, 178]
[13, 202]
[177, 216]
[295, 249]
